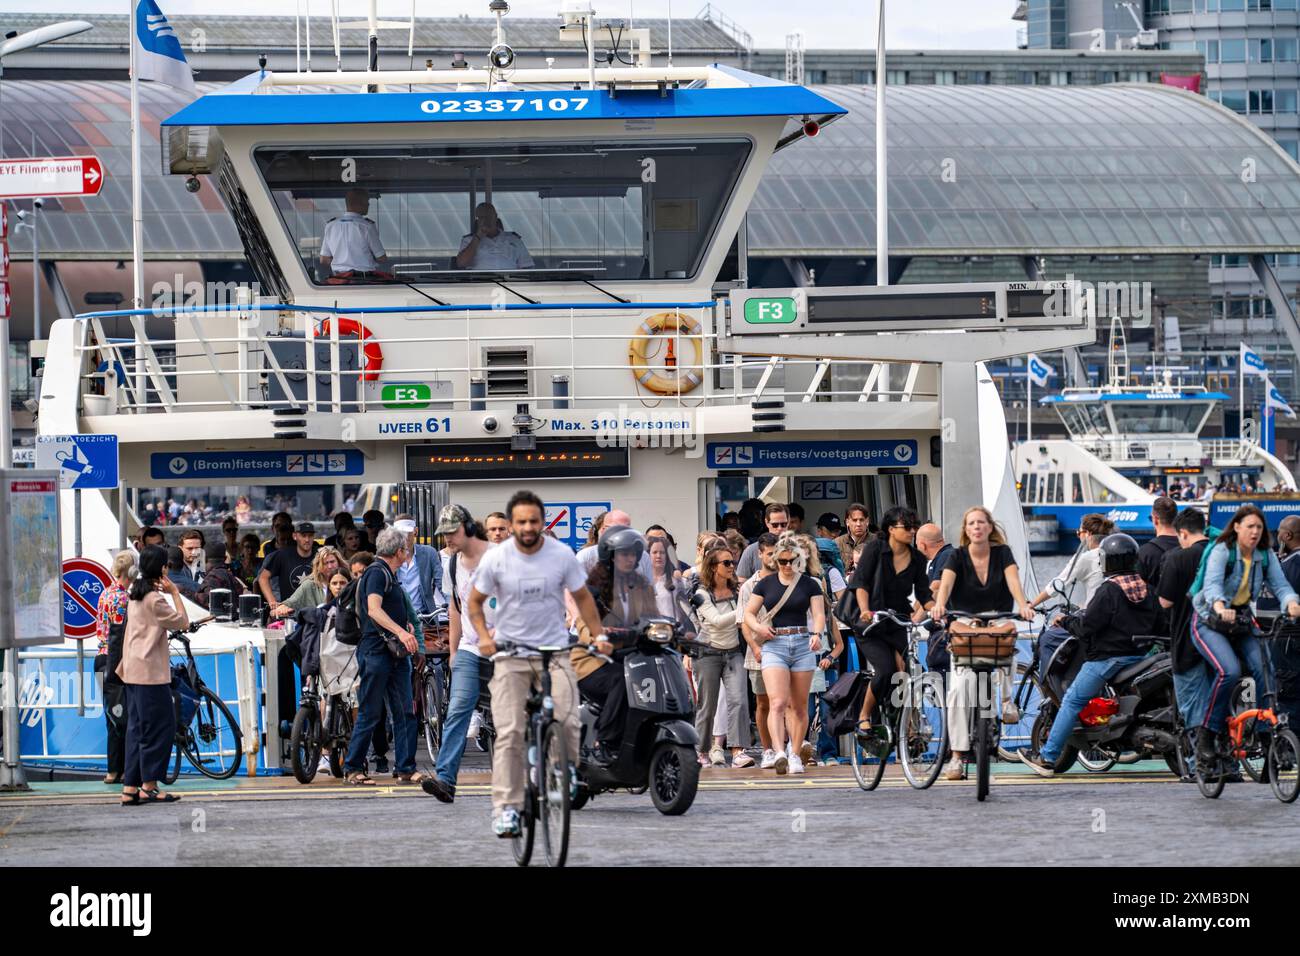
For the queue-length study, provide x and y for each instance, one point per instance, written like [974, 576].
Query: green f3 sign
[406, 395]
[780, 311]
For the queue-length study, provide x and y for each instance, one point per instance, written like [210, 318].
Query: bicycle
[911, 720]
[549, 775]
[210, 725]
[432, 691]
[1258, 739]
[974, 644]
[314, 733]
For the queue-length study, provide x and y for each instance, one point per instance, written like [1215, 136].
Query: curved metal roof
[1003, 170]
[981, 170]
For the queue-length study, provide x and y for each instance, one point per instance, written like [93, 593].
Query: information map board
[31, 578]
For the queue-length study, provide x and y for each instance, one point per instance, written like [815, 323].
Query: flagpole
[137, 216]
[1029, 404]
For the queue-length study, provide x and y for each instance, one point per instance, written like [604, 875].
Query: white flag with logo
[1251, 363]
[1273, 399]
[158, 52]
[1038, 370]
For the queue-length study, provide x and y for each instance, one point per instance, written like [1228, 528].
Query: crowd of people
[1185, 489]
[757, 596]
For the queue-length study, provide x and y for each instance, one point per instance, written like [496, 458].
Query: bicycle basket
[971, 640]
[184, 696]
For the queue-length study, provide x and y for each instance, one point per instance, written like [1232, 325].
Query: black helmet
[619, 539]
[1119, 554]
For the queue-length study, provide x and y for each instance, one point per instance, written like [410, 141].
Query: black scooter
[659, 738]
[1146, 720]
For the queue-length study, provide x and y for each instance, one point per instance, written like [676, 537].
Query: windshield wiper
[422, 292]
[616, 298]
[520, 294]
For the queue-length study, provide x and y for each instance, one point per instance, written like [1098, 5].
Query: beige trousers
[512, 679]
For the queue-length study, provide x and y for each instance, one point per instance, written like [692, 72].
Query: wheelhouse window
[1163, 418]
[539, 211]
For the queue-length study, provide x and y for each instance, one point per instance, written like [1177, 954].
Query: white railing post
[243, 321]
[309, 359]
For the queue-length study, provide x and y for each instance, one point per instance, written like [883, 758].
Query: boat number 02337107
[554, 104]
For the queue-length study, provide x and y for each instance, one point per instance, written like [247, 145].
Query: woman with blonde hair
[777, 616]
[980, 576]
[313, 590]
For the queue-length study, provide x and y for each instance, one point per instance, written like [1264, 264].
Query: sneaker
[1010, 712]
[434, 787]
[782, 764]
[741, 760]
[703, 760]
[1036, 763]
[475, 724]
[955, 770]
[324, 765]
[829, 762]
[506, 823]
[718, 757]
[768, 761]
[807, 753]
[795, 764]
[381, 765]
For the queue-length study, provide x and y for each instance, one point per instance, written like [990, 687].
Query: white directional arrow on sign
[4, 300]
[50, 176]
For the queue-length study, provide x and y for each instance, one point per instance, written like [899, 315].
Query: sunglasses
[778, 524]
[784, 562]
[725, 564]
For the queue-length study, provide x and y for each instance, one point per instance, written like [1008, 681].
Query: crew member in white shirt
[351, 242]
[489, 247]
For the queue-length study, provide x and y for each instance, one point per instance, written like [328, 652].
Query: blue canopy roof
[1136, 397]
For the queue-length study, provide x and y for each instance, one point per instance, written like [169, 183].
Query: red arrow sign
[50, 176]
[4, 221]
[4, 300]
[4, 259]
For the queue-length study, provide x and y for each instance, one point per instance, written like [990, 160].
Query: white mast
[882, 156]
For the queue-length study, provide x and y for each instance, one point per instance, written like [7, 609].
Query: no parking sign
[83, 582]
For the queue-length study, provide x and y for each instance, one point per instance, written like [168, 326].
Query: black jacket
[1115, 615]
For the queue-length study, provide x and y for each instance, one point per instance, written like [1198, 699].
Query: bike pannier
[969, 639]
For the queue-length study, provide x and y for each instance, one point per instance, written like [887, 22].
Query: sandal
[157, 796]
[130, 799]
[360, 779]
[416, 778]
[863, 730]
[112, 778]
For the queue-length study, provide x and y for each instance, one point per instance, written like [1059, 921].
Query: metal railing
[231, 357]
[1123, 450]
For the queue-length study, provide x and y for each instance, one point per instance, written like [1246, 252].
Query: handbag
[845, 699]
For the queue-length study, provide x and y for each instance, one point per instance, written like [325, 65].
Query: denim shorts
[789, 652]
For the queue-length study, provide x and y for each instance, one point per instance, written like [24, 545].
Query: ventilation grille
[506, 370]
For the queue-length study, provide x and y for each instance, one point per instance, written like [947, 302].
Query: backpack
[1198, 585]
[451, 573]
[351, 616]
[829, 553]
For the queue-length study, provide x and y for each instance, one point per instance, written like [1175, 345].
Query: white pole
[137, 215]
[1241, 400]
[882, 157]
[670, 32]
[36, 266]
[1029, 406]
[590, 26]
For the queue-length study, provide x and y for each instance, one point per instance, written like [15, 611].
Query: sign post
[29, 576]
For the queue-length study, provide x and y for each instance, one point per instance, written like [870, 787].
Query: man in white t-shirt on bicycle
[527, 575]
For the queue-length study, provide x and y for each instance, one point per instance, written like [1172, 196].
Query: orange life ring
[685, 379]
[373, 353]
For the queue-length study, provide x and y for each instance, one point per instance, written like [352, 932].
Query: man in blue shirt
[384, 677]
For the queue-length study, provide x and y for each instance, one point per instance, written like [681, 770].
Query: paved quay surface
[1139, 815]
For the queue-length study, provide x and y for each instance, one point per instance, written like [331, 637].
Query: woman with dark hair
[155, 607]
[887, 579]
[1237, 569]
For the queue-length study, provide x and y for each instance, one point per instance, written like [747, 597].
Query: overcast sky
[910, 24]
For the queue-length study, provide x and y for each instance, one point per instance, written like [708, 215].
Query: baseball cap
[452, 517]
[406, 526]
[830, 521]
[304, 527]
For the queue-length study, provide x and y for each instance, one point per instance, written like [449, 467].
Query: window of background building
[1284, 49]
[945, 77]
[1284, 101]
[1234, 100]
[1284, 4]
[1292, 147]
[1261, 51]
[1026, 78]
[1232, 51]
[864, 77]
[1232, 6]
[1139, 76]
[1261, 101]
[1107, 76]
[896, 77]
[814, 77]
[974, 77]
[1209, 49]
[1059, 78]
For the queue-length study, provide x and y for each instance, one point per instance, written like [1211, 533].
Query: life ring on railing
[687, 379]
[373, 353]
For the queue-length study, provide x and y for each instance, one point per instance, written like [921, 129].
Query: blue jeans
[1225, 670]
[1192, 688]
[460, 708]
[1089, 682]
[1051, 639]
[384, 679]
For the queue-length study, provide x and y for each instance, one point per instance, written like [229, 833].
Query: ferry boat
[605, 353]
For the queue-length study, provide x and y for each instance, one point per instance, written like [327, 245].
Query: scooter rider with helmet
[623, 597]
[1123, 606]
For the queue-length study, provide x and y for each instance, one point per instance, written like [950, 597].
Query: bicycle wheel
[340, 735]
[1254, 736]
[983, 744]
[868, 756]
[522, 845]
[1210, 780]
[214, 744]
[555, 794]
[1028, 697]
[1097, 760]
[435, 709]
[304, 743]
[487, 734]
[923, 735]
[1284, 765]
